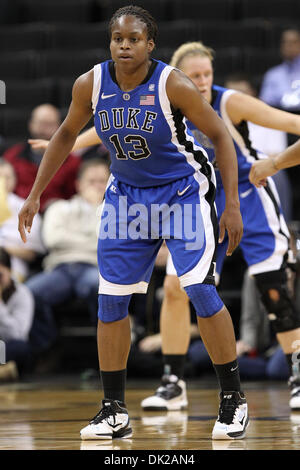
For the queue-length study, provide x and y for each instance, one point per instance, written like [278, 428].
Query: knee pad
[205, 299]
[113, 307]
[277, 300]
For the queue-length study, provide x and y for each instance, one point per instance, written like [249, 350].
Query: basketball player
[139, 106]
[269, 167]
[265, 242]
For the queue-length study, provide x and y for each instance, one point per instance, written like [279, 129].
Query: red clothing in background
[62, 185]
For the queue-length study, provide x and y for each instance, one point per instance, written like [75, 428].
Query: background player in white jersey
[139, 106]
[265, 242]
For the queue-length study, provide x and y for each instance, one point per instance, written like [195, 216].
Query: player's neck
[129, 78]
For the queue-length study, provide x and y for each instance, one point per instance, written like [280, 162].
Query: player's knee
[112, 308]
[172, 289]
[277, 300]
[205, 299]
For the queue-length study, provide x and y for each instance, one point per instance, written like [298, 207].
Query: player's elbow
[221, 137]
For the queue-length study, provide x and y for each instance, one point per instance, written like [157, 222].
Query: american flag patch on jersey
[147, 100]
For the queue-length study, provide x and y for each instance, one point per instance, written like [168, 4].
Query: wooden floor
[49, 415]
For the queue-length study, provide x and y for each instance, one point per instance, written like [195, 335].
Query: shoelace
[104, 413]
[227, 410]
[167, 388]
[294, 382]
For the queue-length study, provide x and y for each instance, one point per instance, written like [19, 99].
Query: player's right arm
[86, 139]
[59, 147]
[264, 168]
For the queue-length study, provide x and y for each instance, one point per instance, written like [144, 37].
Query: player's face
[199, 70]
[129, 43]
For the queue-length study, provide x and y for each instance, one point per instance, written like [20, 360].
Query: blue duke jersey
[246, 154]
[148, 140]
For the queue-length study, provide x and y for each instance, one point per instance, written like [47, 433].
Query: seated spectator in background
[44, 122]
[281, 84]
[82, 147]
[16, 317]
[70, 235]
[10, 205]
[266, 140]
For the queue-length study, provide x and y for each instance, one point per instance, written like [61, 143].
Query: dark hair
[238, 77]
[141, 14]
[241, 77]
[91, 163]
[5, 258]
[291, 27]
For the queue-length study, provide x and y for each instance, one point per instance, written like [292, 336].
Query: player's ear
[151, 45]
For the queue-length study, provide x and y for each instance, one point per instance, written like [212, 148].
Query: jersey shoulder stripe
[96, 86]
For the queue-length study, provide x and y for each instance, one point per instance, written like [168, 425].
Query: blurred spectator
[267, 141]
[281, 84]
[10, 204]
[99, 152]
[16, 316]
[43, 123]
[69, 233]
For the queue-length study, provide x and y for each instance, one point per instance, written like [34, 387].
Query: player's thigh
[194, 259]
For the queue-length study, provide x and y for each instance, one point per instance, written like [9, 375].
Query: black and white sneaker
[170, 396]
[294, 384]
[111, 422]
[233, 416]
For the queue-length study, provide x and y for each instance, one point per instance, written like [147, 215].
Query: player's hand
[26, 215]
[260, 170]
[231, 221]
[38, 144]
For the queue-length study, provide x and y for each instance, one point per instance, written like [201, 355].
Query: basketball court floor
[49, 414]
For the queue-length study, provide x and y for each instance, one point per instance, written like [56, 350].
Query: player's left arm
[241, 107]
[84, 140]
[184, 95]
